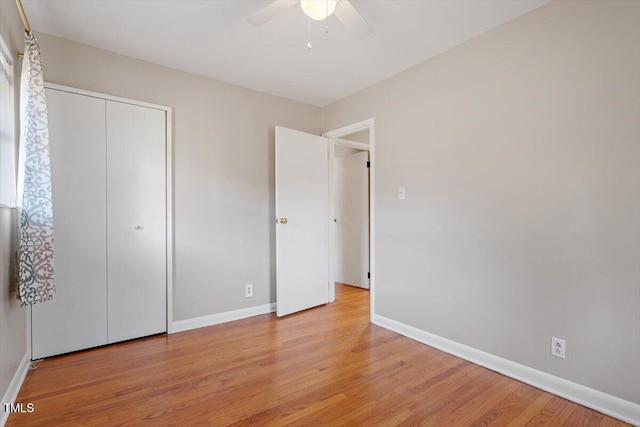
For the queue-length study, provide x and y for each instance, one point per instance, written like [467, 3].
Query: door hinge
[368, 164]
[368, 275]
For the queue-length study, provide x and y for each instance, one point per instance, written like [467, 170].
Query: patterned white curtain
[35, 251]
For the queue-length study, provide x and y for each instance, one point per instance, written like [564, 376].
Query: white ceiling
[212, 38]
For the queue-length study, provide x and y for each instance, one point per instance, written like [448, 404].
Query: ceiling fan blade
[350, 18]
[266, 14]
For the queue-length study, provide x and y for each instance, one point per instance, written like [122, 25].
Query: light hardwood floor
[325, 366]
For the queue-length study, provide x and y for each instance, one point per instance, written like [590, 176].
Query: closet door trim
[168, 184]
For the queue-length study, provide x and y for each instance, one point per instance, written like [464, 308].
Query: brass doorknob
[283, 220]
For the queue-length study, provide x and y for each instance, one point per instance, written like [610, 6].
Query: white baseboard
[14, 387]
[227, 316]
[356, 286]
[594, 399]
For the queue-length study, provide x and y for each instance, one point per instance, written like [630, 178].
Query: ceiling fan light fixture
[318, 9]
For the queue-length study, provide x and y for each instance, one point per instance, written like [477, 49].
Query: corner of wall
[13, 389]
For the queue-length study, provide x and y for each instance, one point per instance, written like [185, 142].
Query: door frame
[168, 185]
[335, 137]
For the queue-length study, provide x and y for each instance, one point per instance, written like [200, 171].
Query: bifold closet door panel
[136, 221]
[76, 318]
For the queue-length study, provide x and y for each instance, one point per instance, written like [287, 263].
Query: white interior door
[302, 228]
[136, 221]
[351, 207]
[76, 318]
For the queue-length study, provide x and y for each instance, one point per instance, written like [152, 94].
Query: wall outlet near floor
[558, 347]
[248, 290]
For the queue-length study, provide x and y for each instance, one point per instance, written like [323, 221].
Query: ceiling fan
[318, 10]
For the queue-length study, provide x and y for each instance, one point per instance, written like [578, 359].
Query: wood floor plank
[496, 393]
[325, 366]
[503, 412]
[554, 413]
[390, 393]
[453, 397]
[585, 417]
[530, 411]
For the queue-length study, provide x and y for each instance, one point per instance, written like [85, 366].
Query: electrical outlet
[401, 193]
[558, 347]
[248, 290]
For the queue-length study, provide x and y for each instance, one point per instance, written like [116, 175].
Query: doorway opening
[351, 216]
[351, 184]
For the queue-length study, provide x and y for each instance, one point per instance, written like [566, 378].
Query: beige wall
[520, 154]
[223, 169]
[13, 328]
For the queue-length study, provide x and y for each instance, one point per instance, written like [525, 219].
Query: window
[7, 130]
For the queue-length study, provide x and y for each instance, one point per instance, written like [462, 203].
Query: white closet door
[77, 316]
[136, 221]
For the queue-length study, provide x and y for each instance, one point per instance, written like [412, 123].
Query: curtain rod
[25, 21]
